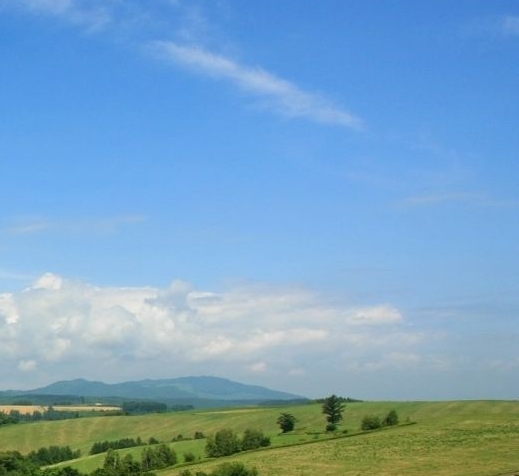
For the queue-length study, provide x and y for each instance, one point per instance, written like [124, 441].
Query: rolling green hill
[465, 438]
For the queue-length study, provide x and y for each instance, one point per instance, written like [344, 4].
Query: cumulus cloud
[58, 323]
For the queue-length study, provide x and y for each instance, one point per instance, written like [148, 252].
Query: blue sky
[313, 196]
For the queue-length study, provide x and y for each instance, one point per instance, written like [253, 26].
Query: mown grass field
[479, 438]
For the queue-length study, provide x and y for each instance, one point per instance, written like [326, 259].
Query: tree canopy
[333, 408]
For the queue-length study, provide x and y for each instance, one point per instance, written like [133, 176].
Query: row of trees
[15, 416]
[53, 454]
[12, 463]
[225, 469]
[374, 422]
[226, 442]
[103, 446]
[333, 408]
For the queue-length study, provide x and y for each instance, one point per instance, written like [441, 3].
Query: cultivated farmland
[30, 409]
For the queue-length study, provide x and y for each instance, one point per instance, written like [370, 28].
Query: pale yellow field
[23, 409]
[30, 409]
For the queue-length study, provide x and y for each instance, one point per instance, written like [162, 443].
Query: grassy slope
[450, 438]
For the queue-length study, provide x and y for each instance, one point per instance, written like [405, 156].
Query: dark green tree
[233, 469]
[165, 456]
[130, 467]
[225, 442]
[286, 422]
[390, 419]
[333, 408]
[253, 439]
[371, 422]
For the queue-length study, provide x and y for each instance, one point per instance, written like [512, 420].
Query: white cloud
[375, 315]
[27, 365]
[258, 367]
[276, 94]
[510, 25]
[108, 225]
[284, 337]
[461, 198]
[58, 323]
[48, 281]
[280, 95]
[93, 14]
[502, 26]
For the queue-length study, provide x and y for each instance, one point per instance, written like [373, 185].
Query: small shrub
[199, 435]
[286, 422]
[371, 422]
[189, 457]
[391, 419]
[331, 427]
[233, 469]
[253, 439]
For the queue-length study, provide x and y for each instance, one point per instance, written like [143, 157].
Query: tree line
[226, 442]
[333, 408]
[15, 416]
[12, 463]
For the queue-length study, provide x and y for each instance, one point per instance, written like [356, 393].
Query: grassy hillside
[449, 438]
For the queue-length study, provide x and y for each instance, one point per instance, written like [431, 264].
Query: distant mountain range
[196, 391]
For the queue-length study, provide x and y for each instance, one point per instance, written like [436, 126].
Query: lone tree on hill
[333, 408]
[286, 422]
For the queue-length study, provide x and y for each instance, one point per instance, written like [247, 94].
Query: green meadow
[465, 438]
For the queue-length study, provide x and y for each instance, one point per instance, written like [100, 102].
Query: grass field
[479, 438]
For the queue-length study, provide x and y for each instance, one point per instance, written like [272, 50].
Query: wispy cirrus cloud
[467, 198]
[510, 25]
[274, 93]
[90, 14]
[441, 198]
[280, 95]
[34, 226]
[500, 26]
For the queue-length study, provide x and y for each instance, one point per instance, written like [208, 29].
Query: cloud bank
[66, 328]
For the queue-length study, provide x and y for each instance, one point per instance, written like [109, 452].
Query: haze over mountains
[199, 391]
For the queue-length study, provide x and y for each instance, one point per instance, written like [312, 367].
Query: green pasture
[465, 438]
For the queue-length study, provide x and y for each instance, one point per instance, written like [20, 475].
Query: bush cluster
[52, 455]
[12, 463]
[102, 446]
[226, 442]
[225, 469]
[373, 422]
[143, 406]
[158, 457]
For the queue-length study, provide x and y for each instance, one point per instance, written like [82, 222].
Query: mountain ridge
[172, 390]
